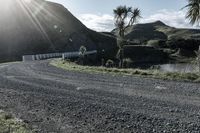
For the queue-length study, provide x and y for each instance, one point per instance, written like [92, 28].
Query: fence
[66, 55]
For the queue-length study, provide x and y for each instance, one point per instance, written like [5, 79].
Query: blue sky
[98, 14]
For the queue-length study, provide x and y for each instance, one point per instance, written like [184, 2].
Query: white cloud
[98, 22]
[105, 22]
[171, 18]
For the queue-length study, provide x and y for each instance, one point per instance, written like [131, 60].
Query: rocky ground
[52, 100]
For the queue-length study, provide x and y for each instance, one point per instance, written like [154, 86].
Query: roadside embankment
[152, 73]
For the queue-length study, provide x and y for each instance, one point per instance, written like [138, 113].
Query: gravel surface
[51, 100]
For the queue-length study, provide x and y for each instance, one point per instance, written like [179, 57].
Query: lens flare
[35, 14]
[27, 1]
[35, 9]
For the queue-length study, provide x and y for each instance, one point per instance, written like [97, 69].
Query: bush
[157, 43]
[82, 51]
[127, 62]
[109, 63]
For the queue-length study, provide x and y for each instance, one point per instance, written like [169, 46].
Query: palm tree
[121, 13]
[193, 13]
[135, 15]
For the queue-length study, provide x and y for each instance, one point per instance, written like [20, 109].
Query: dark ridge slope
[38, 26]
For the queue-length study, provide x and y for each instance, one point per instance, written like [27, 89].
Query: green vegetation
[194, 77]
[8, 124]
[193, 14]
[109, 63]
[82, 52]
[7, 63]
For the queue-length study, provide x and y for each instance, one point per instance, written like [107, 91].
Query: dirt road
[53, 100]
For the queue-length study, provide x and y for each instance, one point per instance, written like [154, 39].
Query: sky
[98, 14]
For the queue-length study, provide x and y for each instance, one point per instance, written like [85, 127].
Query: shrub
[127, 62]
[157, 43]
[153, 43]
[82, 52]
[109, 63]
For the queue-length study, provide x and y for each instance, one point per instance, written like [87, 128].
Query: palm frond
[135, 15]
[193, 13]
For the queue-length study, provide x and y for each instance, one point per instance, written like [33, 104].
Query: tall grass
[9, 124]
[151, 73]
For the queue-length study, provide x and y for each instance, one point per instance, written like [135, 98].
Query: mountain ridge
[39, 26]
[158, 31]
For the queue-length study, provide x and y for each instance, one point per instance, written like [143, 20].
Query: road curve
[52, 100]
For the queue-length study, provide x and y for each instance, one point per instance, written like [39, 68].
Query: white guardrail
[66, 55]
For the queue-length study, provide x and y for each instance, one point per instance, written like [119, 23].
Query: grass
[8, 124]
[7, 63]
[191, 77]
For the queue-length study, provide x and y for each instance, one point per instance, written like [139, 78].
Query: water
[183, 68]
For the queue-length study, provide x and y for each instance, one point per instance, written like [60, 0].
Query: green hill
[158, 31]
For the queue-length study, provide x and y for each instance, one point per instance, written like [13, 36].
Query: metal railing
[66, 55]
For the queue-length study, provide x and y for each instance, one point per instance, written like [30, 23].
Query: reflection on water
[183, 68]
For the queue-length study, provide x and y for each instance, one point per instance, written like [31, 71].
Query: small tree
[82, 52]
[121, 14]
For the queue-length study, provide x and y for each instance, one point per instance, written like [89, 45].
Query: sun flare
[27, 1]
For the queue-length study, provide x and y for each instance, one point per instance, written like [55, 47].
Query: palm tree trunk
[122, 59]
[130, 22]
[199, 65]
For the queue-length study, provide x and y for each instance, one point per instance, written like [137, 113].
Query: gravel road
[51, 100]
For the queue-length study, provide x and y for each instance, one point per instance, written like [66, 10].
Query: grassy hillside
[158, 31]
